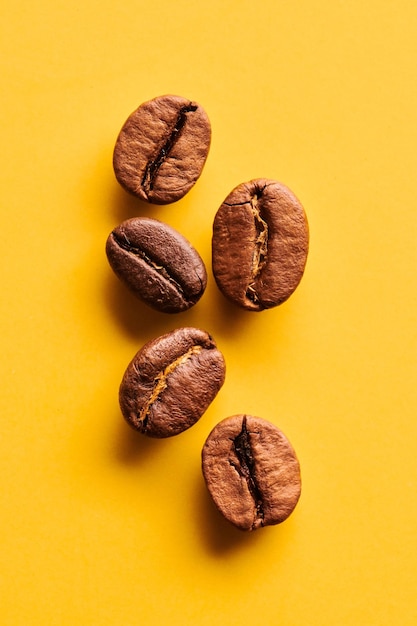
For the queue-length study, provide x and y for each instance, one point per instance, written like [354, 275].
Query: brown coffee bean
[157, 263]
[171, 381]
[251, 472]
[161, 149]
[260, 244]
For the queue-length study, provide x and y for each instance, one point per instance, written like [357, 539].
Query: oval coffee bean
[161, 149]
[251, 472]
[171, 381]
[157, 263]
[260, 244]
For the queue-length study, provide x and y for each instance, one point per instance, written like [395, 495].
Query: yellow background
[101, 526]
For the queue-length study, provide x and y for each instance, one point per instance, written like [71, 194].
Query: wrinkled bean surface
[161, 149]
[260, 244]
[171, 381]
[251, 472]
[157, 263]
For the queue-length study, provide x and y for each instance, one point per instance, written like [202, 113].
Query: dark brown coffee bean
[157, 263]
[251, 472]
[161, 149]
[171, 381]
[260, 244]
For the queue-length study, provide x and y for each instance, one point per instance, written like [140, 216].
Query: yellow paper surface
[101, 526]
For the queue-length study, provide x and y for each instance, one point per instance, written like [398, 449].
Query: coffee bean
[161, 149]
[251, 472]
[157, 263]
[260, 244]
[171, 381]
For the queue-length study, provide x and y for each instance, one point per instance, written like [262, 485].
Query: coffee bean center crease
[153, 166]
[246, 468]
[160, 382]
[260, 251]
[125, 244]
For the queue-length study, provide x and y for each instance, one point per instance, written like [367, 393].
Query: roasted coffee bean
[171, 381]
[161, 149]
[251, 472]
[157, 263]
[260, 244]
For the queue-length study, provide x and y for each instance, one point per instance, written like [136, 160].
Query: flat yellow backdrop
[101, 526]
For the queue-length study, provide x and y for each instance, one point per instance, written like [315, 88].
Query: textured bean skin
[162, 148]
[157, 264]
[260, 244]
[171, 381]
[251, 472]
